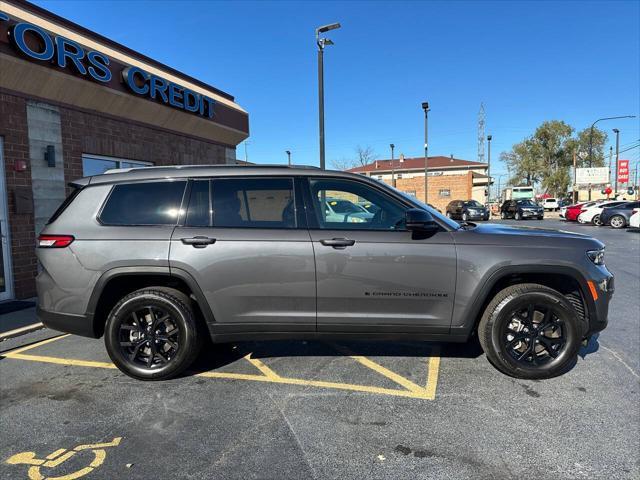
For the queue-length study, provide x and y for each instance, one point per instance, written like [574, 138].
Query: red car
[572, 212]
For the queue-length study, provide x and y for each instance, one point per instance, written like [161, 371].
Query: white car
[634, 221]
[592, 214]
[550, 204]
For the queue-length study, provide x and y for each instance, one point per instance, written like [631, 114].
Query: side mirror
[418, 220]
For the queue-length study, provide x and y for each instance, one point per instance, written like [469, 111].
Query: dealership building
[449, 178]
[74, 103]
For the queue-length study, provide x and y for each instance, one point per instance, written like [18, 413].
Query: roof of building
[434, 163]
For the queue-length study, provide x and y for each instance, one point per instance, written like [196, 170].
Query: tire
[618, 221]
[448, 214]
[518, 216]
[536, 353]
[581, 220]
[596, 220]
[143, 353]
[540, 218]
[503, 215]
[465, 217]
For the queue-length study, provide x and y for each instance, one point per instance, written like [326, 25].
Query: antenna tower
[481, 121]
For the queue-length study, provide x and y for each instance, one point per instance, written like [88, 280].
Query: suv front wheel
[152, 334]
[530, 331]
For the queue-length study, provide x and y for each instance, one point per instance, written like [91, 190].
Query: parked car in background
[618, 216]
[550, 203]
[634, 220]
[369, 207]
[572, 211]
[521, 209]
[467, 210]
[592, 214]
[341, 210]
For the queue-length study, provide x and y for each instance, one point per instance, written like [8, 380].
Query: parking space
[279, 410]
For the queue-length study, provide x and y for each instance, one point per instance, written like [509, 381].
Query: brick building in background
[74, 103]
[449, 178]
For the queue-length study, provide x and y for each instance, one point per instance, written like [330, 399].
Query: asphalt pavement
[301, 410]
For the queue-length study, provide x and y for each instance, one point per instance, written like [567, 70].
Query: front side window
[149, 203]
[344, 206]
[253, 203]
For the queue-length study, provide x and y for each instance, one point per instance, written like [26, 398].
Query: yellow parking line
[269, 376]
[262, 367]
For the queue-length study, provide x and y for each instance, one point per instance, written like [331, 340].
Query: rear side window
[253, 203]
[199, 211]
[153, 203]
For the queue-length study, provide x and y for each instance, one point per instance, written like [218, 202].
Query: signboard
[623, 171]
[596, 175]
[37, 44]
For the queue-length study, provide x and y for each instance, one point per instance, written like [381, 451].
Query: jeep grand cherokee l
[155, 259]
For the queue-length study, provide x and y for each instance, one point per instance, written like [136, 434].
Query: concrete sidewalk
[19, 319]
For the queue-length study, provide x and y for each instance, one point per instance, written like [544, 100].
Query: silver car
[158, 259]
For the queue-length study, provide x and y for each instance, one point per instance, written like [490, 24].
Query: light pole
[393, 172]
[617, 132]
[425, 107]
[489, 137]
[246, 155]
[322, 42]
[289, 156]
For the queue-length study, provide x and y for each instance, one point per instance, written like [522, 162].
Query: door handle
[338, 243]
[198, 242]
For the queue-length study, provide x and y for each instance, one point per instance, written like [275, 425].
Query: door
[6, 282]
[372, 274]
[244, 240]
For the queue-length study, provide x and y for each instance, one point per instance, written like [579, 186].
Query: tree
[546, 157]
[364, 156]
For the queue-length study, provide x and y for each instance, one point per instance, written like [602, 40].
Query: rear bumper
[64, 322]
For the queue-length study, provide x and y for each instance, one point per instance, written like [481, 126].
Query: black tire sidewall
[180, 313]
[500, 315]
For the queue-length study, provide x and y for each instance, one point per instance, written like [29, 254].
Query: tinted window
[199, 210]
[253, 203]
[155, 203]
[473, 203]
[387, 214]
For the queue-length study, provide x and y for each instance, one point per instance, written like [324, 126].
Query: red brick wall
[13, 129]
[84, 132]
[460, 187]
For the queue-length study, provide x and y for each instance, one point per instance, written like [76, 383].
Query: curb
[21, 331]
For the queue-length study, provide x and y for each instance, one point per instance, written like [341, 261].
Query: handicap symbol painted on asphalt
[60, 456]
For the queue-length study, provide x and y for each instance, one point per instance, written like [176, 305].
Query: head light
[596, 256]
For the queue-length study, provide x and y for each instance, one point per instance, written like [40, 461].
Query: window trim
[136, 182]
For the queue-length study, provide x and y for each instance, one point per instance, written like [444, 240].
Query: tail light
[55, 241]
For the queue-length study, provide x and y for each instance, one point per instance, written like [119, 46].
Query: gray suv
[159, 259]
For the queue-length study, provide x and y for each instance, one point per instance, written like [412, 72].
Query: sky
[527, 62]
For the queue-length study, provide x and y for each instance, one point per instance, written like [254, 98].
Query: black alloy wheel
[531, 331]
[153, 334]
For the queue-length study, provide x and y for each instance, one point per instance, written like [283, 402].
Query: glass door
[6, 283]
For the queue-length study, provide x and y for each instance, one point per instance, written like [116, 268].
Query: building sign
[597, 175]
[623, 171]
[35, 43]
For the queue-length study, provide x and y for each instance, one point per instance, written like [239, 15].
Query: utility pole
[610, 159]
[617, 132]
[425, 107]
[288, 155]
[393, 173]
[246, 155]
[481, 123]
[575, 183]
[489, 137]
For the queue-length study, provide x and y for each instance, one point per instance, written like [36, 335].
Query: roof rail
[180, 167]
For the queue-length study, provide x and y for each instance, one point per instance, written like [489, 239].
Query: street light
[322, 42]
[393, 173]
[288, 155]
[591, 134]
[617, 132]
[489, 137]
[425, 107]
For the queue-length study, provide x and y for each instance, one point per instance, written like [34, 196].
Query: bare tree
[364, 156]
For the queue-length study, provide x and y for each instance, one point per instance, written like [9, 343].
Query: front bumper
[68, 323]
[599, 308]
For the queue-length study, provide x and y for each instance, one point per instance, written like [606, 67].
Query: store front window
[97, 164]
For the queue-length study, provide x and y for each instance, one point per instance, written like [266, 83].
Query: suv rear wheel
[530, 331]
[617, 221]
[152, 334]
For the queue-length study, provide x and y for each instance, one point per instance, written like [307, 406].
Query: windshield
[345, 206]
[473, 203]
[447, 221]
[526, 203]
